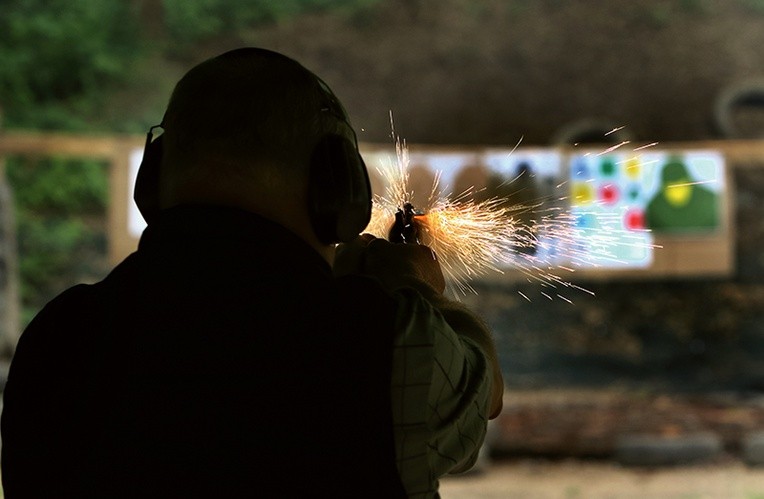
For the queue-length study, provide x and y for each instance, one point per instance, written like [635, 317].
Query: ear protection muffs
[339, 191]
[146, 192]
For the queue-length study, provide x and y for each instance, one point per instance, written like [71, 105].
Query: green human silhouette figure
[681, 204]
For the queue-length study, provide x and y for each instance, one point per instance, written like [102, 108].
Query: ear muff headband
[339, 193]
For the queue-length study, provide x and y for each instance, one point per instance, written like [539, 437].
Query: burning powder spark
[473, 238]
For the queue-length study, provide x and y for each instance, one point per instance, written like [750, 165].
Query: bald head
[240, 130]
[246, 106]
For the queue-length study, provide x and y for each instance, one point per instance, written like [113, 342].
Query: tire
[649, 450]
[746, 94]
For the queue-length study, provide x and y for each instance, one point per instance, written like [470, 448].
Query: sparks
[653, 144]
[474, 238]
[616, 129]
[469, 237]
[698, 182]
[541, 240]
[613, 148]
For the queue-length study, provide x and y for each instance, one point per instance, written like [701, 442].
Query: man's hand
[394, 265]
[416, 266]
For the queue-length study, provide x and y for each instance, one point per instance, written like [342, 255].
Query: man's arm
[468, 325]
[40, 424]
[30, 400]
[446, 379]
[399, 266]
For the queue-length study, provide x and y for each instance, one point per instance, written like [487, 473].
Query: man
[223, 358]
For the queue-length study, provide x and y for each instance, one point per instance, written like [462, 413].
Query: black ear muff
[146, 193]
[339, 193]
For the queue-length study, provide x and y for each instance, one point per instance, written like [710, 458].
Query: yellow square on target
[582, 193]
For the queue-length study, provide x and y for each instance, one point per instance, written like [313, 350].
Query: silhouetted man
[226, 357]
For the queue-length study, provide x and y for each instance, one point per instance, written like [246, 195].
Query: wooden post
[121, 242]
[10, 303]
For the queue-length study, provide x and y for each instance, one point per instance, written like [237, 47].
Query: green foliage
[696, 6]
[659, 15]
[60, 60]
[55, 198]
[756, 6]
[59, 186]
[190, 20]
[57, 253]
[57, 58]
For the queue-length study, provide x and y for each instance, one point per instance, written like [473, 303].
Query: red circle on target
[635, 219]
[609, 194]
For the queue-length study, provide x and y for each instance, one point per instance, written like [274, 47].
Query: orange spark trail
[475, 238]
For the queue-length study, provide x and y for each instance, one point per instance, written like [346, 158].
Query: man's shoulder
[361, 291]
[63, 303]
[58, 336]
[63, 309]
[75, 315]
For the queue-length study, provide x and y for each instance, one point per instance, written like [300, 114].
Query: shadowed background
[453, 72]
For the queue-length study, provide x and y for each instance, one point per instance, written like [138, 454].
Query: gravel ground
[538, 479]
[535, 479]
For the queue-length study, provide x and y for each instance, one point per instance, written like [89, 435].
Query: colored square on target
[582, 193]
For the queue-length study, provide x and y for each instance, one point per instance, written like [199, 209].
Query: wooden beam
[743, 152]
[60, 144]
[687, 258]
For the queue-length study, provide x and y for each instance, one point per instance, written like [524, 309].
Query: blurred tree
[64, 64]
[59, 60]
[151, 17]
[61, 214]
[56, 186]
[58, 57]
[191, 20]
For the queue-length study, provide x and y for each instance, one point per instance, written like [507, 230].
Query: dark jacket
[219, 360]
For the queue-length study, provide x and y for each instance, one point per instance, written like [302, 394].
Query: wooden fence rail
[116, 151]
